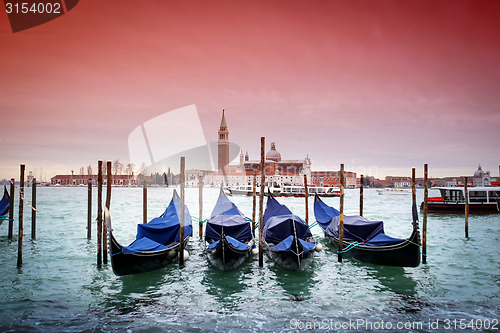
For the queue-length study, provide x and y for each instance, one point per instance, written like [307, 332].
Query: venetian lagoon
[59, 288]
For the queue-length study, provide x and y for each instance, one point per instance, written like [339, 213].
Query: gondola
[156, 244]
[288, 240]
[4, 205]
[228, 236]
[366, 241]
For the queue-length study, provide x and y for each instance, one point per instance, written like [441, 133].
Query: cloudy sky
[381, 86]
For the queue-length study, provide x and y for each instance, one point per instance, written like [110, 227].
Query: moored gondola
[157, 242]
[366, 241]
[4, 205]
[228, 236]
[288, 239]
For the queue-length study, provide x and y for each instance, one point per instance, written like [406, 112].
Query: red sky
[382, 86]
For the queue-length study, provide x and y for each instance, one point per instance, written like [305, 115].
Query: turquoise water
[60, 289]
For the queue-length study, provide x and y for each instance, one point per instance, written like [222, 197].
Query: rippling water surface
[60, 288]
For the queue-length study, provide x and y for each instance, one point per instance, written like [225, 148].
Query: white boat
[287, 191]
[395, 191]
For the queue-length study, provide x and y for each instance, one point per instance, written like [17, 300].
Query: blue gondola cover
[234, 225]
[166, 229]
[5, 202]
[224, 206]
[143, 245]
[280, 227]
[383, 239]
[324, 213]
[356, 228]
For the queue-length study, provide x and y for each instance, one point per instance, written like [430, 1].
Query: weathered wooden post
[361, 196]
[413, 187]
[254, 202]
[341, 217]
[99, 214]
[200, 200]
[11, 208]
[261, 200]
[181, 234]
[89, 209]
[307, 199]
[466, 209]
[424, 218]
[144, 201]
[108, 204]
[21, 227]
[33, 211]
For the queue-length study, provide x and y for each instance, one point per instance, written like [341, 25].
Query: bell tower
[223, 144]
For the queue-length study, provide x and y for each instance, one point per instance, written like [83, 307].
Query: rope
[6, 218]
[198, 220]
[350, 247]
[29, 204]
[313, 224]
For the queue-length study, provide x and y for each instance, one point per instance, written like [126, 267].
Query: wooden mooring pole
[361, 196]
[144, 201]
[261, 200]
[21, 228]
[307, 199]
[33, 211]
[413, 187]
[109, 182]
[89, 209]
[11, 208]
[200, 204]
[466, 209]
[341, 217]
[99, 214]
[181, 234]
[424, 218]
[254, 202]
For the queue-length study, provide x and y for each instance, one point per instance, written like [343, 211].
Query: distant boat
[157, 242]
[365, 240]
[228, 236]
[482, 200]
[287, 190]
[288, 239]
[4, 204]
[394, 191]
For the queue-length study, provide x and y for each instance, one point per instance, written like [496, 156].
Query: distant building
[332, 178]
[223, 144]
[481, 178]
[77, 180]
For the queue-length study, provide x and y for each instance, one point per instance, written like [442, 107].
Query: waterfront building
[80, 180]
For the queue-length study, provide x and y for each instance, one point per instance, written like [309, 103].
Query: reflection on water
[227, 287]
[297, 286]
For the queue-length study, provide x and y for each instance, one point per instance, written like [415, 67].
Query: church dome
[479, 172]
[273, 154]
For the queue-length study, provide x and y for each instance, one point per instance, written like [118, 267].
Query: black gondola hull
[404, 254]
[226, 257]
[126, 264]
